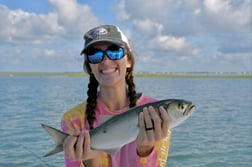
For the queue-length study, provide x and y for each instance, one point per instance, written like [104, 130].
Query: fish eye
[181, 106]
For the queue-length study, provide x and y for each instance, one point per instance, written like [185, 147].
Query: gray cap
[104, 33]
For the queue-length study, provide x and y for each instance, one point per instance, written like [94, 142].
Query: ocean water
[218, 134]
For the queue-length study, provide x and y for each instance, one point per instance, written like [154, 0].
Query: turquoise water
[219, 133]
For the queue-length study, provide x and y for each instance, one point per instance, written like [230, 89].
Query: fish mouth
[190, 109]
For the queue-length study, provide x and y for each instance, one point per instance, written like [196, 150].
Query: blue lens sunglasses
[113, 52]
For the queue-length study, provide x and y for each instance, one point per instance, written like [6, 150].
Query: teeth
[108, 71]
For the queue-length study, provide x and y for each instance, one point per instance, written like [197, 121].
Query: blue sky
[166, 36]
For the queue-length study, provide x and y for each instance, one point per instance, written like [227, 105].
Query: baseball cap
[104, 33]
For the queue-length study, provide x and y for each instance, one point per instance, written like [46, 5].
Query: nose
[105, 59]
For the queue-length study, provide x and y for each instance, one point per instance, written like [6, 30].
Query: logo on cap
[99, 31]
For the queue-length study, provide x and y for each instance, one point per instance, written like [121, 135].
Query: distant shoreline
[158, 75]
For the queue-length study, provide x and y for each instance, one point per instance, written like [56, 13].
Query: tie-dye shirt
[127, 156]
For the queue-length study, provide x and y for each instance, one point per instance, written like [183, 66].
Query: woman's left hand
[152, 129]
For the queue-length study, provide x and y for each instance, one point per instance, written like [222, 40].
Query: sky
[165, 35]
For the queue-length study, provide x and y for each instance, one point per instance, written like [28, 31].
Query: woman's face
[109, 72]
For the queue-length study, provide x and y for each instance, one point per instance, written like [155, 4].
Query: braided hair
[93, 86]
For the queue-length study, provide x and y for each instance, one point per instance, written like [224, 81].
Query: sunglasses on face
[113, 52]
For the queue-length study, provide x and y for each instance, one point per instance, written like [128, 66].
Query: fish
[121, 129]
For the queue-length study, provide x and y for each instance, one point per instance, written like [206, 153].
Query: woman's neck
[114, 98]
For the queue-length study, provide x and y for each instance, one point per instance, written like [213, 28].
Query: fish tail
[57, 136]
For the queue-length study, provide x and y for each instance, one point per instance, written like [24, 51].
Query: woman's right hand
[77, 147]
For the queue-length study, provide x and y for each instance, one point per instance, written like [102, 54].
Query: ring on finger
[148, 129]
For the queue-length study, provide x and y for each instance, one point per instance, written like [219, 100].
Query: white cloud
[233, 15]
[182, 33]
[45, 41]
[191, 17]
[169, 43]
[19, 26]
[148, 27]
[190, 30]
[122, 15]
[141, 9]
[49, 52]
[75, 18]
[234, 61]
[66, 9]
[68, 20]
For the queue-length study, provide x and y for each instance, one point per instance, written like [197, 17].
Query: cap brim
[102, 40]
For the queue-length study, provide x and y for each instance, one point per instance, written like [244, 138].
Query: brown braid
[91, 100]
[93, 85]
[131, 88]
[130, 79]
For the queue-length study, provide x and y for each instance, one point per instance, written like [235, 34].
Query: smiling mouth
[108, 71]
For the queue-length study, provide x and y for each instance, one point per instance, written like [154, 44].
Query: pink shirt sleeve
[70, 163]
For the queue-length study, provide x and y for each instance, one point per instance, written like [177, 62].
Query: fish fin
[57, 149]
[57, 136]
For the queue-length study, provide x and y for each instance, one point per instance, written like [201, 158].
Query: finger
[165, 122]
[68, 145]
[149, 124]
[86, 146]
[157, 123]
[142, 132]
[76, 132]
[79, 147]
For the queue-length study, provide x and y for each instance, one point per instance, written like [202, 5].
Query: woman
[111, 90]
